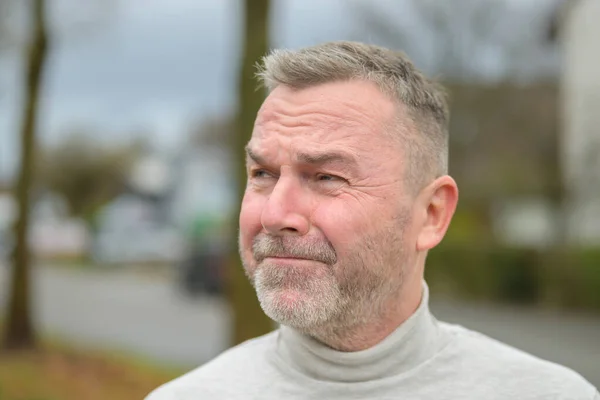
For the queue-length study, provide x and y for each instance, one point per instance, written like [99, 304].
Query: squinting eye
[328, 183]
[260, 173]
[329, 178]
[324, 177]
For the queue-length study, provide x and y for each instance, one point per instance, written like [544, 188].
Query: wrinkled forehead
[328, 110]
[343, 125]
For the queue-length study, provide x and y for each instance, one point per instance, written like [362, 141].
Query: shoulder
[506, 368]
[229, 367]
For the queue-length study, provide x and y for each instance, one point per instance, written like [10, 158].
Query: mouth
[290, 259]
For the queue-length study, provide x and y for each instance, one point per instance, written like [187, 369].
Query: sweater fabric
[422, 359]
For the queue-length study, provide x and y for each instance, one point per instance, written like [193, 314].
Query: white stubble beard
[318, 299]
[329, 305]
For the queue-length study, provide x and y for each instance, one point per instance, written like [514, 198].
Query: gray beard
[340, 298]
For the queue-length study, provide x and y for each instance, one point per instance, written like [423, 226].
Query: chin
[295, 308]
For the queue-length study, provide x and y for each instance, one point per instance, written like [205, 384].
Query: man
[347, 191]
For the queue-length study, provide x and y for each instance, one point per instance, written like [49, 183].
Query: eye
[259, 173]
[329, 182]
[261, 177]
[327, 177]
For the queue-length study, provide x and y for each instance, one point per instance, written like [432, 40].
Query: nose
[285, 211]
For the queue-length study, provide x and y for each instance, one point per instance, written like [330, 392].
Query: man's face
[325, 219]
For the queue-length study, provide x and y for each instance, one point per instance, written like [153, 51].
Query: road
[133, 312]
[146, 314]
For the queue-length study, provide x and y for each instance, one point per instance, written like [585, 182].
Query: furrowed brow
[251, 155]
[327, 158]
[345, 160]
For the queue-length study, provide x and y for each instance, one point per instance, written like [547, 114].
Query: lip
[290, 259]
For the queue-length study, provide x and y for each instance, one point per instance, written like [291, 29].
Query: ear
[438, 202]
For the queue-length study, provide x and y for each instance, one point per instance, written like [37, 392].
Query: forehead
[353, 115]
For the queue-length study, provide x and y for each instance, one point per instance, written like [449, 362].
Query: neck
[374, 327]
[411, 344]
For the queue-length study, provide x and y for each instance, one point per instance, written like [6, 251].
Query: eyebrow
[255, 157]
[318, 158]
[327, 158]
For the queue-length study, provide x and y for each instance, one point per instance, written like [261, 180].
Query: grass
[57, 372]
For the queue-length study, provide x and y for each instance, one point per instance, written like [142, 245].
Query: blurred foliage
[562, 278]
[217, 131]
[504, 145]
[68, 375]
[471, 223]
[504, 140]
[57, 371]
[87, 173]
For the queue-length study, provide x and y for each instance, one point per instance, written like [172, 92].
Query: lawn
[58, 373]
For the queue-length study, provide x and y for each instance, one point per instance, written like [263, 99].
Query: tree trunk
[20, 332]
[249, 319]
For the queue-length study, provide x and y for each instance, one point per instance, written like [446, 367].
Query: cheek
[341, 224]
[346, 222]
[250, 213]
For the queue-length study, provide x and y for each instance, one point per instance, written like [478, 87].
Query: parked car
[202, 272]
[203, 267]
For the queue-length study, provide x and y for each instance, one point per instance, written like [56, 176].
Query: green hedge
[568, 278]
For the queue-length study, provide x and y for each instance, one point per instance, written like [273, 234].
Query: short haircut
[394, 74]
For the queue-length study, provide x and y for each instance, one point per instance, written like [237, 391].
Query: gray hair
[393, 73]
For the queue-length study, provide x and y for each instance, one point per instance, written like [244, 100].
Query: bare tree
[453, 35]
[458, 28]
[20, 332]
[249, 319]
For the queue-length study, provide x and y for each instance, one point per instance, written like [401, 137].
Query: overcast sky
[156, 65]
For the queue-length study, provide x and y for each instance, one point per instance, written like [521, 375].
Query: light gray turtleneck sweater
[422, 359]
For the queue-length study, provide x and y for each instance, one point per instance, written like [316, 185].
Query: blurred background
[121, 132]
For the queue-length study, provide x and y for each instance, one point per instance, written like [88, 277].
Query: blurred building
[172, 203]
[136, 226]
[130, 230]
[579, 34]
[202, 185]
[53, 233]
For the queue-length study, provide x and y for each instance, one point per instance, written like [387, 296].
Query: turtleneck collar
[412, 343]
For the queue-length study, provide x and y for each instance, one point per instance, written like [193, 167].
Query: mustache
[264, 246]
